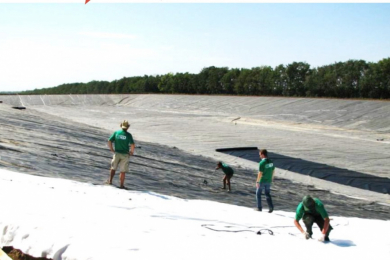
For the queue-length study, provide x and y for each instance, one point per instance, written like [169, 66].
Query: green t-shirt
[266, 166]
[227, 169]
[122, 140]
[319, 210]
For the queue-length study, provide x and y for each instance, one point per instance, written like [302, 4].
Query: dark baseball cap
[308, 203]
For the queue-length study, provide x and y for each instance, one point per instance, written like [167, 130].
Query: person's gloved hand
[306, 235]
[322, 238]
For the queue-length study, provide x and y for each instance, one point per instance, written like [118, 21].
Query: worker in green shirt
[311, 210]
[124, 148]
[264, 180]
[228, 174]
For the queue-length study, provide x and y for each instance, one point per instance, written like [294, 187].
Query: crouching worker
[228, 174]
[124, 148]
[311, 210]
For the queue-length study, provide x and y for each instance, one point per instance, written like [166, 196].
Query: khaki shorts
[121, 160]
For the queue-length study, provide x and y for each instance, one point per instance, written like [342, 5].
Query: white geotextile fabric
[64, 220]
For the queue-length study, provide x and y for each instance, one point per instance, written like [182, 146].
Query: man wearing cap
[124, 148]
[311, 210]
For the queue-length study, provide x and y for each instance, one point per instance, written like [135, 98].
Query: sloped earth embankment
[345, 141]
[42, 144]
[365, 115]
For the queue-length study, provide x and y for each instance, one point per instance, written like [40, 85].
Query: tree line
[350, 79]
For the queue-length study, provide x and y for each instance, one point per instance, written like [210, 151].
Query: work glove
[322, 238]
[306, 235]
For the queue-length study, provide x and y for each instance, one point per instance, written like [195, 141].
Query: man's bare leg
[228, 182]
[112, 173]
[224, 182]
[122, 179]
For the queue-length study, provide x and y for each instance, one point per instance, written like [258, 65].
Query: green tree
[228, 80]
[383, 87]
[241, 85]
[280, 81]
[296, 78]
[353, 72]
[210, 80]
[166, 83]
[266, 82]
[376, 83]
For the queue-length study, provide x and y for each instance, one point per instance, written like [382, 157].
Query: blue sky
[44, 45]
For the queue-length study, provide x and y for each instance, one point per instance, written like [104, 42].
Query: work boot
[310, 232]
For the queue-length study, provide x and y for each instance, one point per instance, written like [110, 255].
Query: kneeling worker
[311, 210]
[228, 174]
